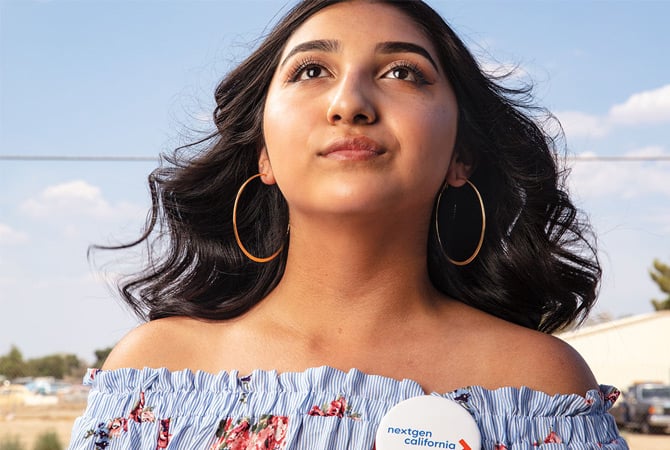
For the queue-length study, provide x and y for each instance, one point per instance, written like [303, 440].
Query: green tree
[661, 276]
[12, 364]
[48, 441]
[73, 365]
[50, 365]
[101, 356]
[11, 443]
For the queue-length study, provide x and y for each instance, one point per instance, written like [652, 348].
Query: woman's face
[359, 117]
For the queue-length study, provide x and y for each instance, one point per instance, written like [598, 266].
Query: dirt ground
[647, 442]
[28, 422]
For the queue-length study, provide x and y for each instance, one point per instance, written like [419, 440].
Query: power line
[619, 158]
[109, 158]
[99, 158]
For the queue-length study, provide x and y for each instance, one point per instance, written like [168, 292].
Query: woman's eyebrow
[324, 45]
[405, 47]
[330, 46]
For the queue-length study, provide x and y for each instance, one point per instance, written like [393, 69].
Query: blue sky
[135, 78]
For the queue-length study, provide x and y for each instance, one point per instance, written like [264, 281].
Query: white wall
[624, 351]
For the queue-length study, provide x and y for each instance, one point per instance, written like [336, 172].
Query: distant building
[624, 351]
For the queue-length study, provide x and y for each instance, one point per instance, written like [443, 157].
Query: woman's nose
[351, 102]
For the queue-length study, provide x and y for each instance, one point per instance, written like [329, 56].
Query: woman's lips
[355, 148]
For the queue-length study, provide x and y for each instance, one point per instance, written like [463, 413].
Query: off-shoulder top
[320, 408]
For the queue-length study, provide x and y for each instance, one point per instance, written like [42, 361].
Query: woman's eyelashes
[310, 69]
[307, 69]
[406, 71]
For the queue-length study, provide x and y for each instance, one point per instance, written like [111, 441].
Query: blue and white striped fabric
[320, 408]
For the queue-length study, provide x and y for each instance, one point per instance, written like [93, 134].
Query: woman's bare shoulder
[551, 365]
[169, 342]
[513, 355]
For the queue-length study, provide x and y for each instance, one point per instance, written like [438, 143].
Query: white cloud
[75, 199]
[644, 107]
[647, 107]
[649, 151]
[10, 236]
[625, 180]
[576, 123]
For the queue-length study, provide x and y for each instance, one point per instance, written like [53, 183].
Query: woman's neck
[357, 272]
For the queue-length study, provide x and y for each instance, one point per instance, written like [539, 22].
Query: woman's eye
[404, 72]
[309, 72]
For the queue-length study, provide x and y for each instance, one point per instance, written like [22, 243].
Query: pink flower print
[224, 426]
[316, 411]
[117, 426]
[263, 439]
[147, 415]
[136, 412]
[280, 424]
[140, 413]
[613, 395]
[218, 443]
[221, 434]
[337, 407]
[268, 433]
[236, 438]
[553, 438]
[242, 428]
[273, 435]
[239, 444]
[163, 433]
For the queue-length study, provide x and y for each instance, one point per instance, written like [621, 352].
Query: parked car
[644, 407]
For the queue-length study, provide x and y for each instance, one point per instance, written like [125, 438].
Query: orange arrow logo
[464, 444]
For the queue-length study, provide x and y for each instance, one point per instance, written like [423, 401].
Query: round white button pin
[426, 422]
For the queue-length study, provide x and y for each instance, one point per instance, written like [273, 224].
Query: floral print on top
[320, 408]
[107, 430]
[609, 396]
[269, 433]
[337, 407]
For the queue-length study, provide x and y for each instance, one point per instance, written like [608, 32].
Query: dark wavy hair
[537, 267]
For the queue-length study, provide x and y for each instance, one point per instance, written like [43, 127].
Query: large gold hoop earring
[468, 260]
[237, 234]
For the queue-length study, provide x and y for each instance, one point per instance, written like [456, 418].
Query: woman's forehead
[360, 22]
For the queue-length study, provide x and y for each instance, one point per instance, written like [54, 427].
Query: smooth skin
[359, 128]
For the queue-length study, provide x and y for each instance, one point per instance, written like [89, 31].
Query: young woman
[374, 219]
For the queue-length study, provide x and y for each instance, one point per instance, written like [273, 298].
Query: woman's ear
[265, 168]
[459, 171]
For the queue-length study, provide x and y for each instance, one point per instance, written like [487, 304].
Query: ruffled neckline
[325, 379]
